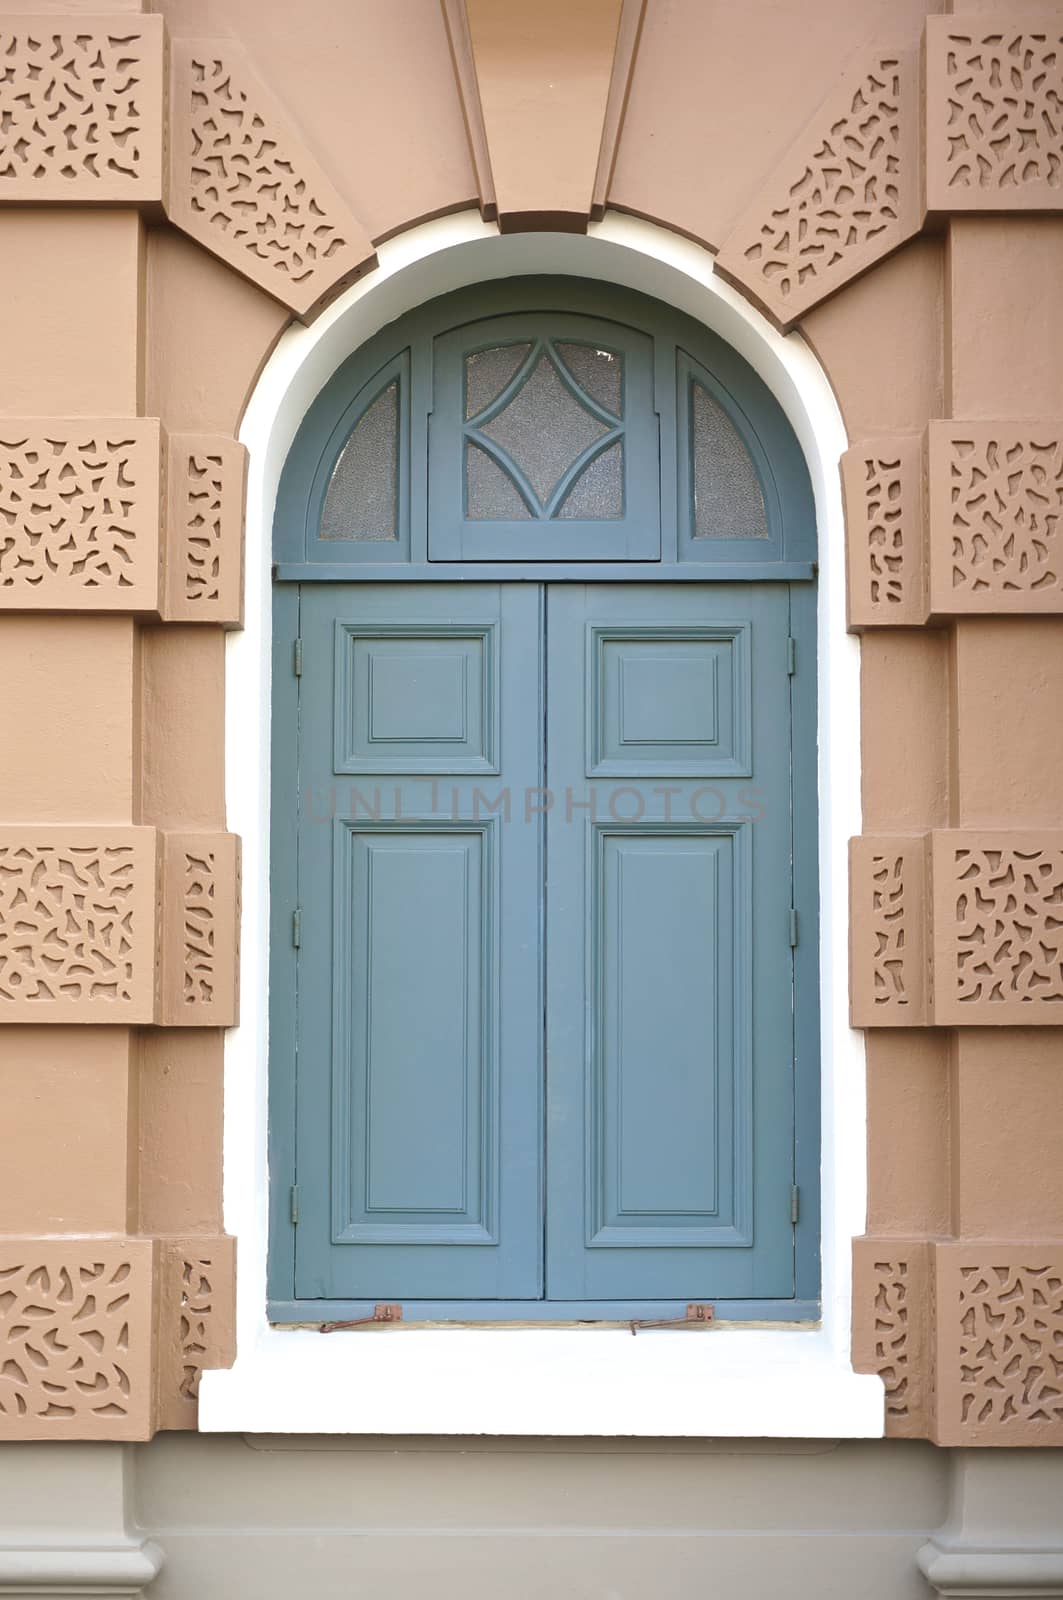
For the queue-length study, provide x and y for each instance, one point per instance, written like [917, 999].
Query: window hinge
[297, 657]
[297, 927]
[293, 1203]
[793, 927]
[791, 656]
[795, 1204]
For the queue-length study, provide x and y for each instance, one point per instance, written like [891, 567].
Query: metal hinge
[297, 657]
[297, 927]
[795, 1204]
[793, 926]
[699, 1314]
[293, 1203]
[791, 656]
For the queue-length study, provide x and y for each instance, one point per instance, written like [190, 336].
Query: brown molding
[79, 513]
[846, 195]
[995, 516]
[891, 1328]
[993, 903]
[78, 1332]
[882, 486]
[994, 111]
[966, 1335]
[244, 185]
[199, 930]
[889, 950]
[965, 521]
[197, 1308]
[107, 1337]
[110, 514]
[998, 1342]
[461, 56]
[543, 71]
[83, 108]
[203, 581]
[77, 924]
[118, 925]
[998, 927]
[632, 15]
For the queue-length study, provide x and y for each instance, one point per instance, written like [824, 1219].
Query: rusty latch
[699, 1314]
[381, 1313]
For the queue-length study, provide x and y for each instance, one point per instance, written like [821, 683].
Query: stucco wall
[866, 175]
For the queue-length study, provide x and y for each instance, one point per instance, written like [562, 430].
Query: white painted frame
[734, 1380]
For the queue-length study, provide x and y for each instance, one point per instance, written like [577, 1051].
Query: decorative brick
[196, 1321]
[998, 928]
[891, 1332]
[204, 574]
[995, 507]
[82, 105]
[244, 185]
[79, 513]
[846, 194]
[994, 111]
[199, 943]
[77, 924]
[999, 1343]
[882, 482]
[889, 949]
[77, 1334]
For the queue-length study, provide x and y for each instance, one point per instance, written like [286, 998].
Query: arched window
[544, 1037]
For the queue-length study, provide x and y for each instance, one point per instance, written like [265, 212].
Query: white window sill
[719, 1383]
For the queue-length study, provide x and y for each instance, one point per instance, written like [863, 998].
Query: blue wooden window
[543, 992]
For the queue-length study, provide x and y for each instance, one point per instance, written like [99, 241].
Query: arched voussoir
[244, 185]
[847, 194]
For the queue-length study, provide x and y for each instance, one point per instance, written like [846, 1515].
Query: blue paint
[544, 1049]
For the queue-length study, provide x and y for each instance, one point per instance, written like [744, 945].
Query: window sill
[717, 1383]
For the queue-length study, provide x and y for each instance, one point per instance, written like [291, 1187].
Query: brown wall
[795, 143]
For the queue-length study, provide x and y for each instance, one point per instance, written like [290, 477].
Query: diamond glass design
[599, 372]
[544, 436]
[487, 372]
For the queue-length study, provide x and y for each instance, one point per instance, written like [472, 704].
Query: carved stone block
[999, 1343]
[888, 945]
[77, 1331]
[994, 111]
[845, 195]
[199, 933]
[204, 529]
[998, 928]
[995, 508]
[77, 924]
[882, 482]
[244, 185]
[891, 1332]
[79, 513]
[82, 105]
[197, 1289]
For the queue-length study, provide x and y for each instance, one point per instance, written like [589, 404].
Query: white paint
[740, 1381]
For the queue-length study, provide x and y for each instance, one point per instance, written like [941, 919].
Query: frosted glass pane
[728, 499]
[599, 372]
[362, 498]
[487, 372]
[599, 490]
[544, 428]
[490, 495]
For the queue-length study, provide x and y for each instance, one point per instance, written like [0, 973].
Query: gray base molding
[104, 1571]
[958, 1571]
